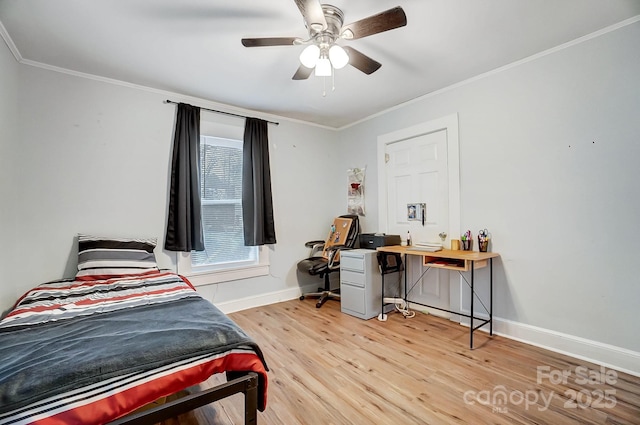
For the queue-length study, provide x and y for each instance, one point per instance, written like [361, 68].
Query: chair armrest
[316, 248]
[311, 244]
[332, 251]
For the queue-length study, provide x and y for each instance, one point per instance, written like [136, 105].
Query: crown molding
[10, 44]
[16, 53]
[534, 57]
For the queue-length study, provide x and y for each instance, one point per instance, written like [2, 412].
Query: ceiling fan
[324, 23]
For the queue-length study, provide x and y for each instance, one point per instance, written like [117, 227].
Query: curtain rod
[222, 112]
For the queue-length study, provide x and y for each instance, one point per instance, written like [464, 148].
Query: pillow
[115, 256]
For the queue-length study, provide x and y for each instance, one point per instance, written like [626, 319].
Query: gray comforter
[42, 360]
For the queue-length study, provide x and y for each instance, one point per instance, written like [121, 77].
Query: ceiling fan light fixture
[338, 56]
[325, 27]
[323, 67]
[310, 55]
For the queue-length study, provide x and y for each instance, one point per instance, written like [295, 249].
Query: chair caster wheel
[301, 297]
[318, 305]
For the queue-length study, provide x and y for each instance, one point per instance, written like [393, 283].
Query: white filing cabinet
[361, 283]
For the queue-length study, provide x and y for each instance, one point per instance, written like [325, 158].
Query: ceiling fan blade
[269, 41]
[361, 61]
[312, 13]
[384, 21]
[302, 73]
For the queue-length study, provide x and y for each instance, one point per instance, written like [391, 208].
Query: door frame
[448, 123]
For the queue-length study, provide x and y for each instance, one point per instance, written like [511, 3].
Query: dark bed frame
[246, 384]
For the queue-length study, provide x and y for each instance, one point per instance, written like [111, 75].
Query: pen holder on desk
[465, 244]
[483, 245]
[455, 244]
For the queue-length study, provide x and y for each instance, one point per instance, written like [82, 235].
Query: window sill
[212, 277]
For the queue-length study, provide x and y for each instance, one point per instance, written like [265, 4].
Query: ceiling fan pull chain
[333, 81]
[324, 86]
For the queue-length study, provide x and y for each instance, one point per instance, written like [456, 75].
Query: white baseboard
[265, 299]
[607, 355]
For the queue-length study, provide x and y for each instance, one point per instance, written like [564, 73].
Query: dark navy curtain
[184, 222]
[257, 205]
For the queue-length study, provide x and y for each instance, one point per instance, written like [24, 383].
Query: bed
[93, 349]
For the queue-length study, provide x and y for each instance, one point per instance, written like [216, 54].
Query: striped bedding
[91, 350]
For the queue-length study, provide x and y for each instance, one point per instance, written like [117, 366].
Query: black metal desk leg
[471, 314]
[491, 296]
[406, 295]
[382, 299]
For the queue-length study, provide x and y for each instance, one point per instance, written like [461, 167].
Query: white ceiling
[192, 47]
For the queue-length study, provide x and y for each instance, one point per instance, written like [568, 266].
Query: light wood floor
[331, 368]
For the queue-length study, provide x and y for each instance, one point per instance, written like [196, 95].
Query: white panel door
[417, 172]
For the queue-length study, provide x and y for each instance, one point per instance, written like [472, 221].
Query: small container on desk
[465, 244]
[483, 244]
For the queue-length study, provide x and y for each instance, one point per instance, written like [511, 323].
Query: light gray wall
[8, 143]
[549, 154]
[93, 157]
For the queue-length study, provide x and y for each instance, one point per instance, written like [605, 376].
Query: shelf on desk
[452, 263]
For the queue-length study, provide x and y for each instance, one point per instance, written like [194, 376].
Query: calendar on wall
[355, 191]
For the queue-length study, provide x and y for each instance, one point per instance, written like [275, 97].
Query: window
[225, 256]
[221, 196]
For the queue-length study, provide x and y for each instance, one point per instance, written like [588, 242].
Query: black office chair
[325, 255]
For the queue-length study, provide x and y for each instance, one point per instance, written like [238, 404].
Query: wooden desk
[460, 261]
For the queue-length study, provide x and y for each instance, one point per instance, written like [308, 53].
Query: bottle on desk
[408, 238]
